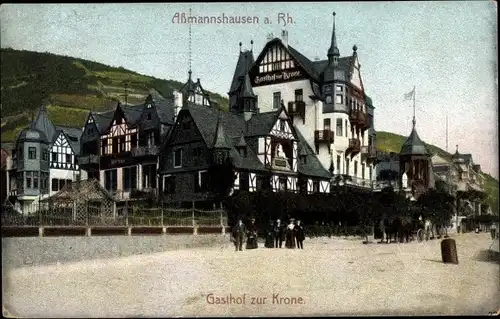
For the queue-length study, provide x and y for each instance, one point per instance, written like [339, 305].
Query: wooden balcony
[88, 159]
[354, 146]
[145, 150]
[297, 108]
[353, 117]
[369, 151]
[363, 121]
[323, 136]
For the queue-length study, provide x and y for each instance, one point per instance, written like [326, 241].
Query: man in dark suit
[300, 234]
[278, 234]
[239, 230]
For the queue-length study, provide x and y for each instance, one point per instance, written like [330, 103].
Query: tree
[438, 207]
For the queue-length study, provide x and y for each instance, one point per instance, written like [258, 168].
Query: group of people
[292, 234]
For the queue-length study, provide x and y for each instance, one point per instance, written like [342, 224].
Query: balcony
[323, 136]
[297, 108]
[354, 117]
[87, 159]
[369, 151]
[363, 121]
[145, 150]
[354, 146]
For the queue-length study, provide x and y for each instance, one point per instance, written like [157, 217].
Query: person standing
[278, 234]
[270, 235]
[290, 235]
[239, 231]
[252, 235]
[300, 234]
[493, 230]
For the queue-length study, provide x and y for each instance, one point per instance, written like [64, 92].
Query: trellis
[83, 203]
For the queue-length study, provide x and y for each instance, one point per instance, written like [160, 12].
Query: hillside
[390, 142]
[70, 87]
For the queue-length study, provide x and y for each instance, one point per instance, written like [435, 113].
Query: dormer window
[149, 106]
[328, 99]
[243, 151]
[340, 88]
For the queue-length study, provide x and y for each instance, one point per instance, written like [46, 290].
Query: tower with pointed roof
[220, 147]
[415, 161]
[242, 98]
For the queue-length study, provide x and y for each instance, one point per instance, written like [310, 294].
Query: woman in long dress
[270, 235]
[290, 235]
[252, 235]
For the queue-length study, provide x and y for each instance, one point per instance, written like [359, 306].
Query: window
[346, 127]
[149, 176]
[276, 100]
[149, 106]
[55, 185]
[302, 185]
[347, 166]
[68, 158]
[201, 181]
[339, 99]
[282, 184]
[169, 184]
[54, 157]
[340, 88]
[62, 182]
[370, 120]
[355, 168]
[328, 88]
[28, 179]
[339, 127]
[178, 158]
[363, 171]
[31, 152]
[328, 99]
[35, 179]
[122, 144]
[370, 172]
[130, 178]
[69, 183]
[110, 181]
[315, 186]
[151, 138]
[282, 125]
[133, 140]
[244, 181]
[299, 95]
[45, 155]
[104, 146]
[114, 145]
[338, 164]
[149, 116]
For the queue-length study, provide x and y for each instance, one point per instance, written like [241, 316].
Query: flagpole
[446, 132]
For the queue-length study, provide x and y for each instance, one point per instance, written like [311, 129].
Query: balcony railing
[145, 150]
[370, 151]
[353, 117]
[323, 136]
[297, 108]
[87, 159]
[363, 120]
[354, 145]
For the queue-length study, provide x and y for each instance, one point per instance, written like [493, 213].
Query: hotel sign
[278, 77]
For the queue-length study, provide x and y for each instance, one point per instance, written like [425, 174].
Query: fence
[164, 217]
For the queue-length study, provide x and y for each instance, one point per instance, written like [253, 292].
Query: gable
[185, 130]
[274, 65]
[61, 140]
[436, 159]
[356, 75]
[282, 128]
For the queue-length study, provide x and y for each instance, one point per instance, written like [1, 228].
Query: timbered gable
[185, 130]
[283, 128]
[62, 155]
[90, 129]
[356, 75]
[119, 137]
[276, 64]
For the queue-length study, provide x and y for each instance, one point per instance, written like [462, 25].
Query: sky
[446, 49]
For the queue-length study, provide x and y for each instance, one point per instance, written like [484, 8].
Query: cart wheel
[420, 235]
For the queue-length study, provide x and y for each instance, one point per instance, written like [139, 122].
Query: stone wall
[35, 251]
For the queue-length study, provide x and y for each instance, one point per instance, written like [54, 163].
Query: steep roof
[236, 130]
[73, 135]
[413, 145]
[44, 124]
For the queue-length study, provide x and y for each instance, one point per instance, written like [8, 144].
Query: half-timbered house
[325, 99]
[120, 147]
[43, 161]
[265, 149]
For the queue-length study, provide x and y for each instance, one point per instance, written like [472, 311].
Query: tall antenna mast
[189, 62]
[446, 132]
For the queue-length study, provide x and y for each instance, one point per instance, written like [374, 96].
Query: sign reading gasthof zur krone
[277, 77]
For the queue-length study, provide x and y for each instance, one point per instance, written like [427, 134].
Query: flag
[409, 95]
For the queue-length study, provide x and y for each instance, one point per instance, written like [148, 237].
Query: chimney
[284, 37]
